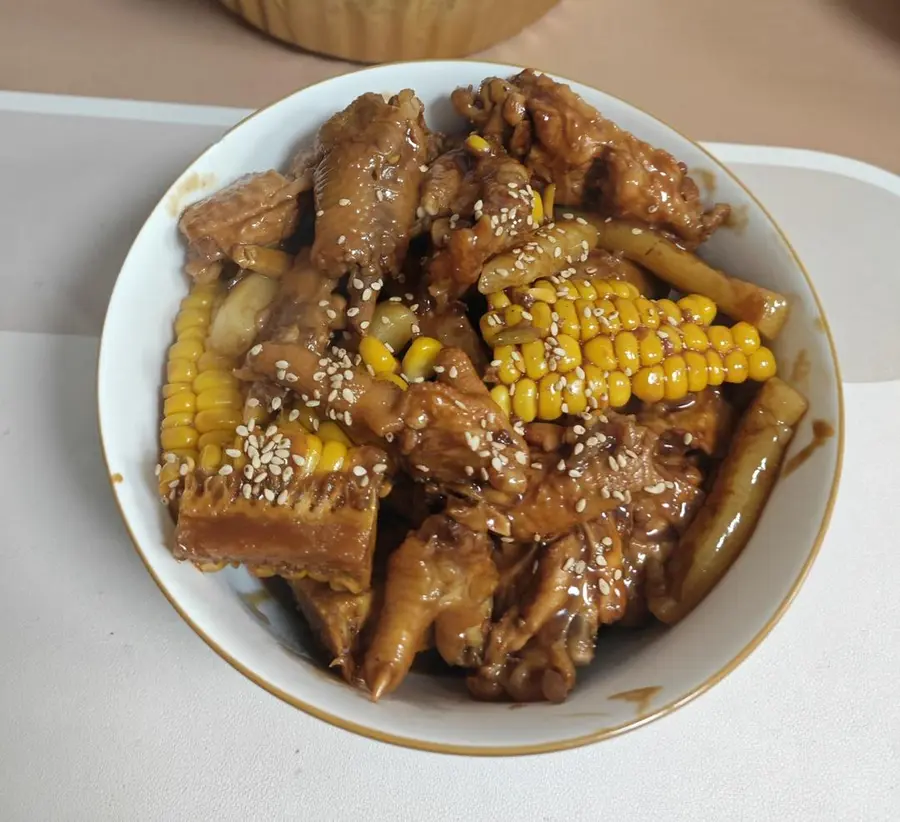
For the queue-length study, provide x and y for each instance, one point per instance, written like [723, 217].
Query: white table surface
[112, 709]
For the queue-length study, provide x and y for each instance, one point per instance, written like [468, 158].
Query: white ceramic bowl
[636, 677]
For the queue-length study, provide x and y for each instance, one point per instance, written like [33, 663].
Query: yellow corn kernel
[651, 349]
[500, 395]
[210, 457]
[181, 370]
[566, 291]
[194, 332]
[567, 353]
[623, 289]
[375, 354]
[498, 301]
[191, 318]
[737, 367]
[611, 324]
[699, 309]
[745, 337]
[211, 361]
[186, 350]
[549, 199]
[490, 325]
[537, 210]
[574, 398]
[217, 397]
[217, 419]
[603, 288]
[397, 380]
[201, 296]
[596, 383]
[171, 389]
[180, 403]
[542, 316]
[418, 364]
[715, 367]
[177, 420]
[648, 313]
[720, 338]
[649, 384]
[671, 340]
[675, 369]
[629, 316]
[170, 472]
[535, 359]
[508, 371]
[761, 364]
[224, 438]
[332, 432]
[512, 315]
[392, 323]
[590, 325]
[477, 144]
[525, 400]
[694, 337]
[627, 351]
[669, 311]
[550, 397]
[312, 453]
[535, 293]
[697, 371]
[334, 454]
[182, 437]
[586, 290]
[214, 380]
[619, 389]
[568, 318]
[600, 352]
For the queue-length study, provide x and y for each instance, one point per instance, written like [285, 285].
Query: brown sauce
[819, 324]
[800, 368]
[641, 697]
[822, 432]
[738, 219]
[194, 182]
[116, 478]
[706, 178]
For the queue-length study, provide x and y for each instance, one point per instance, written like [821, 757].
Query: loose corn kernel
[534, 357]
[720, 338]
[182, 437]
[669, 311]
[331, 432]
[619, 389]
[508, 371]
[601, 352]
[568, 353]
[397, 380]
[651, 349]
[629, 317]
[375, 354]
[216, 419]
[649, 384]
[537, 210]
[761, 364]
[224, 437]
[697, 371]
[550, 397]
[500, 395]
[574, 397]
[590, 325]
[525, 400]
[627, 351]
[334, 453]
[736, 366]
[694, 337]
[210, 457]
[715, 367]
[568, 318]
[420, 358]
[699, 309]
[477, 144]
[675, 369]
[746, 337]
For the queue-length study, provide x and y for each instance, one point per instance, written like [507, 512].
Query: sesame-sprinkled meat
[703, 422]
[592, 161]
[441, 576]
[371, 148]
[256, 209]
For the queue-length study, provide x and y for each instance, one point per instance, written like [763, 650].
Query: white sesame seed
[579, 447]
[246, 490]
[255, 350]
[320, 213]
[688, 438]
[298, 460]
[234, 453]
[282, 497]
[242, 431]
[422, 468]
[347, 394]
[569, 564]
[613, 464]
[343, 202]
[359, 470]
[580, 505]
[282, 364]
[619, 496]
[275, 470]
[269, 494]
[276, 403]
[603, 585]
[365, 324]
[341, 240]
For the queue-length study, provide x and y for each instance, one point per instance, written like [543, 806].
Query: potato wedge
[740, 300]
[725, 523]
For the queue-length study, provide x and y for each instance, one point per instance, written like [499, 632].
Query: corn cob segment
[578, 346]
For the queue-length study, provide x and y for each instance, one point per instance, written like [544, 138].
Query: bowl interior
[636, 675]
